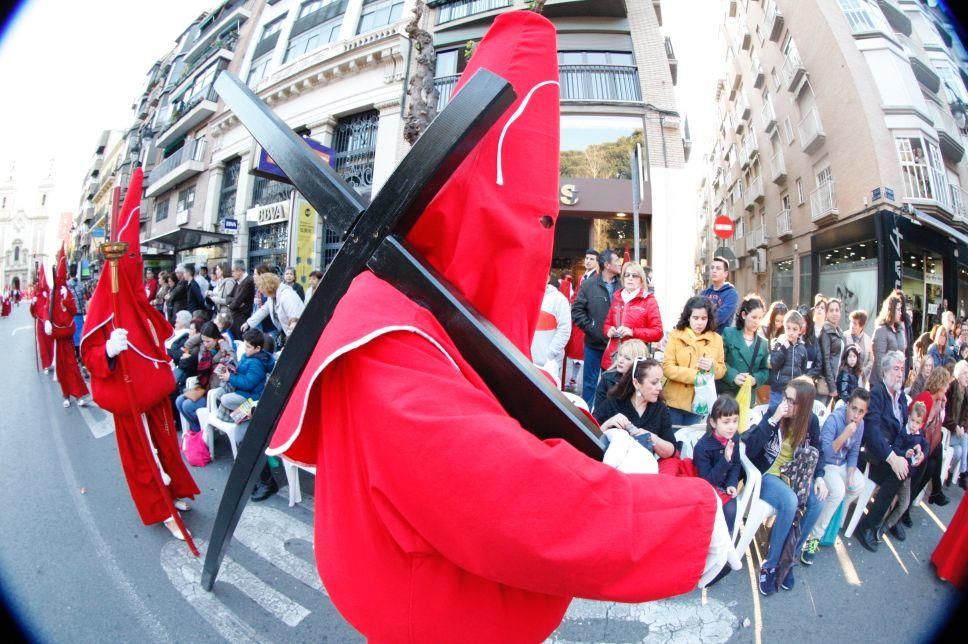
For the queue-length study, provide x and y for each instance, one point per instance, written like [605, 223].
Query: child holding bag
[716, 455]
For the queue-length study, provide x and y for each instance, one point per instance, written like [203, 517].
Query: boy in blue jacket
[249, 379]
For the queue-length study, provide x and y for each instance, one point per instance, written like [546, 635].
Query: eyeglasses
[635, 275]
[790, 401]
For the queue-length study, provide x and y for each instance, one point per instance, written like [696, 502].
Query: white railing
[823, 201]
[742, 106]
[811, 130]
[779, 167]
[774, 20]
[755, 192]
[757, 239]
[769, 116]
[784, 223]
[192, 151]
[749, 143]
[959, 202]
[792, 67]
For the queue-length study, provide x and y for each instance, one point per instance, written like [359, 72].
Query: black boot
[938, 499]
[947, 481]
[963, 481]
[867, 538]
[264, 490]
[906, 519]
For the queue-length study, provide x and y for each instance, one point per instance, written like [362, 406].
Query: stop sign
[723, 227]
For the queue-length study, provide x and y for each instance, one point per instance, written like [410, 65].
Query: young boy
[788, 358]
[911, 445]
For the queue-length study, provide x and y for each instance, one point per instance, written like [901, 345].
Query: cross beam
[374, 241]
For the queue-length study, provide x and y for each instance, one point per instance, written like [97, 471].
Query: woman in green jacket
[746, 350]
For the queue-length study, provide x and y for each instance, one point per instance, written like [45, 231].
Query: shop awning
[185, 239]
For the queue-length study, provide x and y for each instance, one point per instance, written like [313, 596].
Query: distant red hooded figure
[40, 310]
[61, 325]
[148, 366]
[439, 517]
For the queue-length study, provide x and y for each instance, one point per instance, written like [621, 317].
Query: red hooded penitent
[148, 367]
[438, 516]
[62, 311]
[40, 310]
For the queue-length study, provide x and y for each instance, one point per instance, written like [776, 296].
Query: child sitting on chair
[716, 455]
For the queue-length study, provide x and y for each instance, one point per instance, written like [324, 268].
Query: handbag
[195, 450]
[798, 472]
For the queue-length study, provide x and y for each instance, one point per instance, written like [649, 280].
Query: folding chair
[292, 468]
[209, 420]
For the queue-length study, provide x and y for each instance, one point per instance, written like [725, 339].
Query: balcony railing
[774, 20]
[754, 193]
[671, 57]
[769, 116]
[226, 42]
[793, 69]
[757, 239]
[599, 83]
[750, 145]
[445, 89]
[784, 224]
[823, 203]
[184, 107]
[778, 172]
[450, 11]
[812, 135]
[194, 151]
[758, 75]
[959, 202]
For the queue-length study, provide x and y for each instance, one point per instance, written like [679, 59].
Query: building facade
[617, 72]
[22, 231]
[99, 202]
[840, 153]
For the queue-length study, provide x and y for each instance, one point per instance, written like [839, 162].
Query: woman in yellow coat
[694, 346]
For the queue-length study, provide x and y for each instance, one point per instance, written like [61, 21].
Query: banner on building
[267, 168]
[304, 232]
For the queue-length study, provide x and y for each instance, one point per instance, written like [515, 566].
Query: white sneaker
[182, 505]
[173, 529]
[67, 402]
[81, 402]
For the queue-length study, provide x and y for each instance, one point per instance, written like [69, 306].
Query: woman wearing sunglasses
[634, 313]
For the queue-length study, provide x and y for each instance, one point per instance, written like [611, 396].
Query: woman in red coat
[634, 313]
[951, 556]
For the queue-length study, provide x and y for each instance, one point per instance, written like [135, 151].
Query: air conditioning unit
[759, 261]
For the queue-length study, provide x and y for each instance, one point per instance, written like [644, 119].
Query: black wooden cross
[374, 240]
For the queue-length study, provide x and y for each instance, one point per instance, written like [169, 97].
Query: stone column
[388, 142]
[243, 195]
[351, 19]
[210, 214]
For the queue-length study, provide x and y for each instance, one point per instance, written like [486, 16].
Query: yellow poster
[305, 241]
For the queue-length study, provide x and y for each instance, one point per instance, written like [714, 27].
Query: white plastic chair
[689, 435]
[292, 468]
[209, 420]
[860, 504]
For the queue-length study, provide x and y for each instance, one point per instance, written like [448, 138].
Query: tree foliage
[608, 160]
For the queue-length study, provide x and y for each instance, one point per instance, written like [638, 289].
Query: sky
[68, 71]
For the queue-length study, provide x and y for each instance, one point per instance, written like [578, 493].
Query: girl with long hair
[694, 347]
[890, 333]
[773, 443]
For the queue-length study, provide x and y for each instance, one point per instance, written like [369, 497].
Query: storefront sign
[268, 214]
[230, 224]
[305, 231]
[97, 232]
[268, 168]
[894, 264]
[568, 195]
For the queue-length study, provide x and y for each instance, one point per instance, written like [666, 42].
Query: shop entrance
[923, 288]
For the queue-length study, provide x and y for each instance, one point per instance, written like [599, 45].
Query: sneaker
[788, 581]
[809, 552]
[767, 581]
[182, 505]
[938, 499]
[897, 531]
[81, 402]
[67, 403]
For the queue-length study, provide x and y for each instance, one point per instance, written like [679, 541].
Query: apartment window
[788, 130]
[920, 179]
[313, 6]
[258, 70]
[800, 199]
[378, 13]
[227, 192]
[200, 84]
[4, 203]
[785, 201]
[759, 36]
[186, 199]
[272, 28]
[161, 210]
[354, 147]
[313, 39]
[954, 89]
[775, 77]
[858, 15]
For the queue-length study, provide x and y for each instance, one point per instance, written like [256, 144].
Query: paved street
[78, 566]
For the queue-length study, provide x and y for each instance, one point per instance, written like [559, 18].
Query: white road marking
[152, 627]
[99, 428]
[265, 531]
[20, 328]
[754, 583]
[667, 620]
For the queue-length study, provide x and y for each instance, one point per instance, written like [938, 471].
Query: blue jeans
[189, 409]
[779, 495]
[590, 370]
[682, 417]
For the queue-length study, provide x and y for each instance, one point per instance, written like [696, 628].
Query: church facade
[22, 232]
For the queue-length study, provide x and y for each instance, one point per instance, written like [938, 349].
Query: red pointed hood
[61, 298]
[40, 309]
[147, 328]
[490, 229]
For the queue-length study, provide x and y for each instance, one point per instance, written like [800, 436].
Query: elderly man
[241, 301]
[178, 297]
[886, 419]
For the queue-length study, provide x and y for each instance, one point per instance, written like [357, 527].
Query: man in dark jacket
[588, 313]
[886, 418]
[179, 294]
[240, 303]
[196, 301]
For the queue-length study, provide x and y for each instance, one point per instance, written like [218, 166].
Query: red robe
[4, 306]
[40, 310]
[951, 555]
[438, 516]
[148, 368]
[62, 322]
